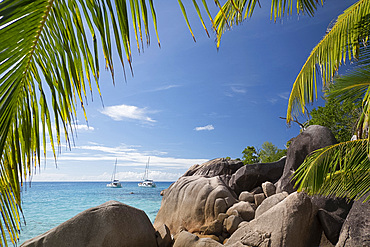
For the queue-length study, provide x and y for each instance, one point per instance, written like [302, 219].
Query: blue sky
[187, 102]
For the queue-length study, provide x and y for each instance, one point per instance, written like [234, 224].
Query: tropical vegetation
[339, 117]
[267, 154]
[49, 60]
[343, 169]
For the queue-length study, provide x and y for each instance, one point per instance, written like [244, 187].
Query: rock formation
[311, 139]
[221, 167]
[251, 176]
[292, 222]
[193, 201]
[111, 224]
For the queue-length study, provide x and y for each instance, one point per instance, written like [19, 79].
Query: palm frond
[233, 12]
[341, 170]
[49, 59]
[341, 42]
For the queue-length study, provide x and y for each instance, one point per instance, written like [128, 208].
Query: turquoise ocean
[48, 204]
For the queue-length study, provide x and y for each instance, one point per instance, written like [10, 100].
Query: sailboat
[148, 183]
[114, 183]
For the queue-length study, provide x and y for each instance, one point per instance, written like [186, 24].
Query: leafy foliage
[48, 60]
[340, 118]
[250, 155]
[338, 170]
[268, 153]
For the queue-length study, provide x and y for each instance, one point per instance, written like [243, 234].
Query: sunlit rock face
[111, 224]
[193, 201]
[224, 168]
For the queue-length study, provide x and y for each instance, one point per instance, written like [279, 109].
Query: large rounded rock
[292, 222]
[311, 139]
[251, 176]
[110, 224]
[332, 213]
[190, 202]
[217, 167]
[186, 239]
[356, 228]
[244, 209]
[270, 202]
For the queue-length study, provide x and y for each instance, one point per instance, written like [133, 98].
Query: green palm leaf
[47, 49]
[233, 12]
[341, 170]
[341, 42]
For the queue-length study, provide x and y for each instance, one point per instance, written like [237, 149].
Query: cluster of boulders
[225, 203]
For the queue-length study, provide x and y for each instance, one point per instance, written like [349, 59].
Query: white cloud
[121, 112]
[84, 127]
[273, 100]
[164, 88]
[238, 90]
[207, 127]
[284, 95]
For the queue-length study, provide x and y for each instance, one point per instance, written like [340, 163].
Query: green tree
[250, 155]
[270, 153]
[50, 47]
[45, 50]
[339, 117]
[342, 169]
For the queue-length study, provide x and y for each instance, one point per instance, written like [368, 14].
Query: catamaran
[114, 182]
[148, 183]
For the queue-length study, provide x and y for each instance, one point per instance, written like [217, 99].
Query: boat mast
[146, 173]
[114, 171]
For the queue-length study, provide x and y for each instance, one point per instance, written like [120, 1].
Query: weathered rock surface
[213, 228]
[311, 139]
[110, 224]
[331, 225]
[164, 238]
[259, 198]
[356, 228]
[186, 239]
[250, 176]
[270, 202]
[268, 188]
[246, 197]
[292, 222]
[232, 223]
[190, 202]
[217, 167]
[244, 209]
[332, 213]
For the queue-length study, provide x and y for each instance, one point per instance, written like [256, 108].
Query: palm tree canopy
[48, 62]
[340, 170]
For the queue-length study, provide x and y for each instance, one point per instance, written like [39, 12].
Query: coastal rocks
[251, 176]
[268, 188]
[110, 224]
[246, 197]
[244, 209]
[291, 222]
[217, 167]
[232, 223]
[356, 228]
[164, 238]
[186, 239]
[190, 203]
[270, 202]
[311, 139]
[332, 214]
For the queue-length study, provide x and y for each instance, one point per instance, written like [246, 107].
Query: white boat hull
[114, 185]
[147, 184]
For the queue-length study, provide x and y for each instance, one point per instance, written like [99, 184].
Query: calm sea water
[48, 204]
